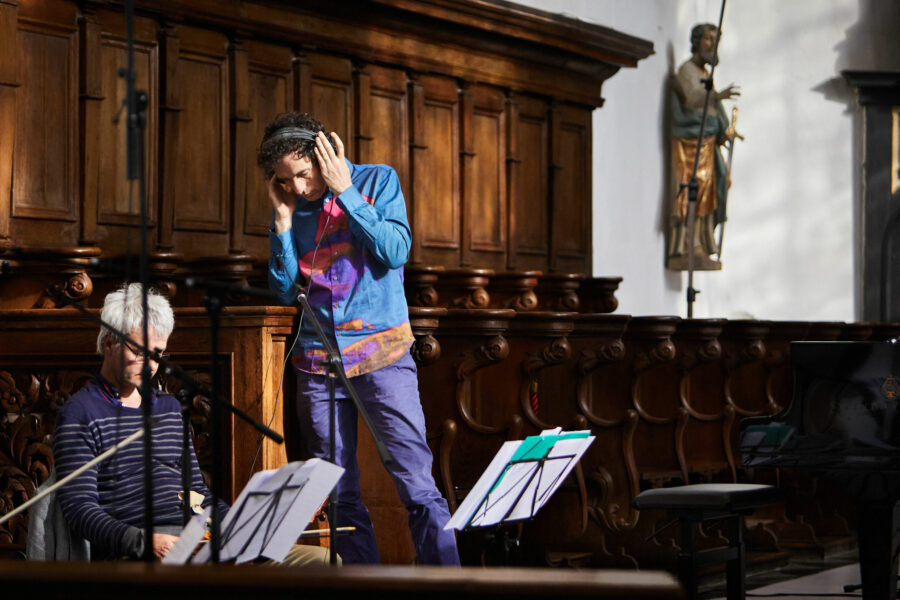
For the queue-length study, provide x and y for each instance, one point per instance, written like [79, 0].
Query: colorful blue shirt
[350, 249]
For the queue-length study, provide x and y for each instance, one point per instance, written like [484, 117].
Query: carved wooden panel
[484, 178]
[201, 164]
[29, 401]
[270, 93]
[529, 228]
[570, 217]
[44, 180]
[435, 170]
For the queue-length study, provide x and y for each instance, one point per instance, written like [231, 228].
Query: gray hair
[123, 310]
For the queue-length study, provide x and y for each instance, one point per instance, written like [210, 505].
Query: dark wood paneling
[483, 169]
[109, 199]
[330, 94]
[386, 139]
[46, 125]
[270, 93]
[529, 236]
[241, 139]
[484, 178]
[570, 211]
[201, 169]
[9, 78]
[435, 170]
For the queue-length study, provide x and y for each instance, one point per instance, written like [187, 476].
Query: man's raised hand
[334, 168]
[284, 201]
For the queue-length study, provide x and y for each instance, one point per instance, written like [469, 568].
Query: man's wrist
[282, 226]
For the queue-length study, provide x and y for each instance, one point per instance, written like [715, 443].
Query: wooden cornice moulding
[857, 332]
[885, 331]
[825, 331]
[591, 324]
[788, 330]
[534, 25]
[484, 41]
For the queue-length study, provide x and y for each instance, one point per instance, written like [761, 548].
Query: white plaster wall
[788, 248]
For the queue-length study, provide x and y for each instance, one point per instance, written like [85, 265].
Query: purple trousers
[390, 396]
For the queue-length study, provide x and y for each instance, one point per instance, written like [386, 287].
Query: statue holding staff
[690, 93]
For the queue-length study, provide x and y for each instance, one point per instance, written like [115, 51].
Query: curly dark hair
[270, 152]
[697, 34]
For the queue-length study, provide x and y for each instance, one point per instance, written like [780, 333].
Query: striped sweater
[105, 504]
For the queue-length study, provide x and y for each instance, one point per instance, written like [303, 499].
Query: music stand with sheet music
[267, 518]
[521, 479]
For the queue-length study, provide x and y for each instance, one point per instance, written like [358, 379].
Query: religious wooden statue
[689, 95]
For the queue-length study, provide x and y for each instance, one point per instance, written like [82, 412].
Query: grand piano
[843, 423]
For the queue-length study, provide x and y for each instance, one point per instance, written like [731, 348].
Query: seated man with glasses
[105, 504]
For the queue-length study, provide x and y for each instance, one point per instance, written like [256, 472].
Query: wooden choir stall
[484, 110]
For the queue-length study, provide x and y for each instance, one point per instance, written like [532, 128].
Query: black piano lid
[843, 414]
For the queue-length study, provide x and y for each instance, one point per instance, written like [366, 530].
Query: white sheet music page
[521, 478]
[273, 510]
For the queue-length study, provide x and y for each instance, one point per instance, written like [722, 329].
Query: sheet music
[270, 513]
[192, 534]
[521, 478]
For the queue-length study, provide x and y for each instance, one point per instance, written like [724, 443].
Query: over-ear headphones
[298, 133]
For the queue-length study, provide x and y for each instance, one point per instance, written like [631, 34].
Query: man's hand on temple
[162, 543]
[284, 201]
[332, 165]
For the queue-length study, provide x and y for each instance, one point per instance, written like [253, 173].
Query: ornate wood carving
[426, 349]
[420, 285]
[464, 288]
[598, 294]
[742, 342]
[559, 291]
[514, 289]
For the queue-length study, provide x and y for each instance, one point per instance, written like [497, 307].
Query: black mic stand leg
[332, 452]
[185, 396]
[213, 304]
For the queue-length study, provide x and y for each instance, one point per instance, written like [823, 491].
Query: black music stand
[267, 518]
[521, 479]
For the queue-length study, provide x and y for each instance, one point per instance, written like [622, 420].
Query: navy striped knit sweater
[105, 504]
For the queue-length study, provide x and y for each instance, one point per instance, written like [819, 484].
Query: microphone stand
[693, 186]
[213, 303]
[184, 395]
[334, 368]
[136, 102]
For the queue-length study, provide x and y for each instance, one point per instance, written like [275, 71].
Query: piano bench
[692, 504]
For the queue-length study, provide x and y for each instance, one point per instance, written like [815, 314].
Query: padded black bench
[691, 504]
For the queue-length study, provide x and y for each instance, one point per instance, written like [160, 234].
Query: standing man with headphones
[340, 233]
